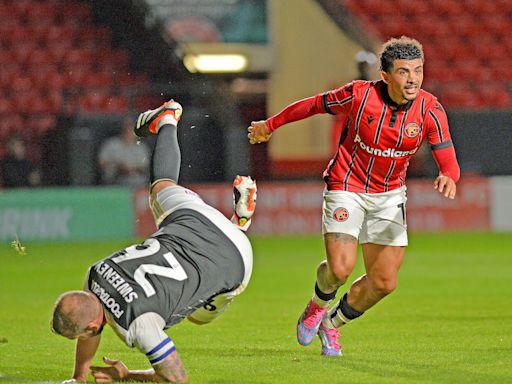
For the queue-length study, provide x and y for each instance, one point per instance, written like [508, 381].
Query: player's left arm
[146, 333]
[443, 151]
[170, 369]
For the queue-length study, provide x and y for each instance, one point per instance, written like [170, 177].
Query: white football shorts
[377, 218]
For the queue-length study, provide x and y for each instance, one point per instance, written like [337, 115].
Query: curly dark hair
[405, 48]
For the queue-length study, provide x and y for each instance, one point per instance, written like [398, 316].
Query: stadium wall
[68, 214]
[307, 61]
[482, 204]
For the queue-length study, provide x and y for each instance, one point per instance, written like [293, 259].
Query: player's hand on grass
[115, 371]
[446, 186]
[259, 132]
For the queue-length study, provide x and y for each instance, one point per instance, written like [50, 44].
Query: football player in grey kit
[192, 267]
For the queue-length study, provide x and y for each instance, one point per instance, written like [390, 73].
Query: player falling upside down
[364, 198]
[192, 267]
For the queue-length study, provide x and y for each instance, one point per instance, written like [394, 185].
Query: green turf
[450, 321]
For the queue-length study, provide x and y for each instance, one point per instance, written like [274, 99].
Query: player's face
[404, 80]
[86, 333]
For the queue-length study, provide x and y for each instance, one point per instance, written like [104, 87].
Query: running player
[192, 267]
[364, 198]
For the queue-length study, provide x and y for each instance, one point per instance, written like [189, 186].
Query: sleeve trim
[445, 144]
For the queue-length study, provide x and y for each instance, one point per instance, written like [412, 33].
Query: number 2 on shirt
[151, 246]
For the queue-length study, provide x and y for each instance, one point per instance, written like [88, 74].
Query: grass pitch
[450, 321]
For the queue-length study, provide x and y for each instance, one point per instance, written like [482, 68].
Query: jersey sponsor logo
[370, 119]
[412, 130]
[116, 281]
[108, 300]
[340, 214]
[388, 152]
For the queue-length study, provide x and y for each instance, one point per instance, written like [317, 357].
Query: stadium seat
[495, 95]
[55, 100]
[60, 34]
[97, 79]
[6, 105]
[39, 57]
[10, 124]
[74, 75]
[41, 123]
[480, 7]
[79, 56]
[75, 12]
[115, 104]
[463, 41]
[22, 50]
[57, 80]
[95, 38]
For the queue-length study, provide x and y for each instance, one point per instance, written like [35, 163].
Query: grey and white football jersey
[175, 271]
[148, 287]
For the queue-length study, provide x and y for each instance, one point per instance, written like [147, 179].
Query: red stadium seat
[95, 37]
[145, 102]
[8, 72]
[480, 7]
[55, 100]
[39, 124]
[58, 80]
[6, 105]
[93, 101]
[496, 96]
[97, 79]
[76, 12]
[38, 57]
[22, 50]
[60, 34]
[79, 56]
[10, 124]
[21, 83]
[116, 104]
[7, 57]
[76, 74]
[58, 50]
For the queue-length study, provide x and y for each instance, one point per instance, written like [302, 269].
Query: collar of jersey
[388, 100]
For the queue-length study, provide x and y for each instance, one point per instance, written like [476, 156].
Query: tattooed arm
[170, 369]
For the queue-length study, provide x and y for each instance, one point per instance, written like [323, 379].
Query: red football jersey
[380, 137]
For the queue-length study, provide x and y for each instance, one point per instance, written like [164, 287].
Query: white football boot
[244, 201]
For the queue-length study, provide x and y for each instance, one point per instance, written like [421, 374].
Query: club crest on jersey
[340, 214]
[412, 130]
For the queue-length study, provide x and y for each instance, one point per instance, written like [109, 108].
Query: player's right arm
[85, 350]
[334, 102]
[260, 131]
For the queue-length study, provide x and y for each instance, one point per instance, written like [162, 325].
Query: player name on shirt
[108, 300]
[116, 281]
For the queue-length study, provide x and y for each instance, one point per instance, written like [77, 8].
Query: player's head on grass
[77, 314]
[401, 65]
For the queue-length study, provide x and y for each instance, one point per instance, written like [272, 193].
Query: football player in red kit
[365, 194]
